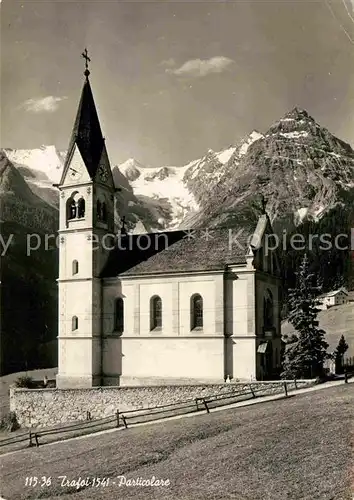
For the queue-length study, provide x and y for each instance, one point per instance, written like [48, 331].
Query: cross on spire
[87, 59]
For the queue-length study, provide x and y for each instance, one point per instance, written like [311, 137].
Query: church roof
[87, 133]
[177, 251]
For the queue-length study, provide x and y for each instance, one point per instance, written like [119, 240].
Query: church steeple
[86, 217]
[86, 133]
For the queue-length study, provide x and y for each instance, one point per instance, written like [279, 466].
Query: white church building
[156, 308]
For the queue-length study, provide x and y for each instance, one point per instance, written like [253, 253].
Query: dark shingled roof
[87, 132]
[177, 252]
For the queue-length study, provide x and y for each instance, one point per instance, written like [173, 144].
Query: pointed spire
[87, 134]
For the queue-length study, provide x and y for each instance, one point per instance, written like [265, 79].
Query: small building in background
[334, 298]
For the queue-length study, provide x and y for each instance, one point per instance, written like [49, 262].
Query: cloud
[199, 67]
[47, 104]
[170, 62]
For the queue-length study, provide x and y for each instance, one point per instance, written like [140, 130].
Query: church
[149, 309]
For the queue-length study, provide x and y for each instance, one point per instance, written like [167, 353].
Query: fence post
[345, 376]
[295, 384]
[36, 438]
[30, 439]
[124, 422]
[285, 389]
[252, 391]
[117, 415]
[196, 402]
[206, 406]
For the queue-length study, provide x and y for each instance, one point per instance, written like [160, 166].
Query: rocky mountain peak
[299, 166]
[295, 124]
[19, 203]
[131, 169]
[12, 183]
[297, 114]
[45, 159]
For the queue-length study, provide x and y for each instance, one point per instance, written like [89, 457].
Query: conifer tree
[339, 281]
[338, 354]
[306, 350]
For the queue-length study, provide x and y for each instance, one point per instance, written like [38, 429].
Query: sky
[172, 79]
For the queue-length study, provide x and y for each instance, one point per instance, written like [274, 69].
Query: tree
[258, 206]
[339, 282]
[339, 352]
[306, 351]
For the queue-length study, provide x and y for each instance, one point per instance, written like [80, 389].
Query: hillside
[336, 321]
[295, 448]
[28, 286]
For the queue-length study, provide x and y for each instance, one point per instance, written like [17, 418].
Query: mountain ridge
[296, 165]
[202, 191]
[304, 172]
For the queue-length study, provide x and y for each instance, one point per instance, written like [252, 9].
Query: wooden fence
[37, 437]
[348, 362]
[346, 365]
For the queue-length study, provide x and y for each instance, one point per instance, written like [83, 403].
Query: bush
[25, 382]
[9, 422]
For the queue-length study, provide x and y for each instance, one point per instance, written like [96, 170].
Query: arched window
[81, 208]
[74, 323]
[104, 212]
[75, 267]
[268, 310]
[99, 210]
[71, 208]
[196, 308]
[119, 315]
[155, 313]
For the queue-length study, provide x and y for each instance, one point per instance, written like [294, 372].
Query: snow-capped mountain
[301, 169]
[299, 166]
[202, 176]
[131, 169]
[181, 190]
[45, 160]
[41, 168]
[161, 186]
[18, 202]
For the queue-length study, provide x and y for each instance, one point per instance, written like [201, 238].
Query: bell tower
[86, 234]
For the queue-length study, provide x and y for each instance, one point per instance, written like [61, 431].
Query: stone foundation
[48, 407]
